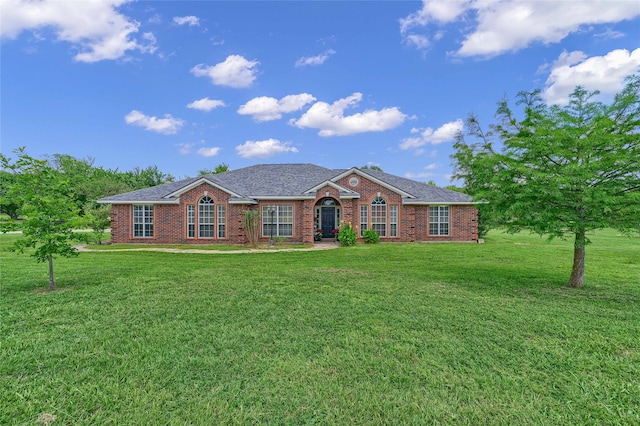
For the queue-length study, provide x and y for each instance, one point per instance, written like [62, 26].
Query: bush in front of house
[371, 236]
[347, 235]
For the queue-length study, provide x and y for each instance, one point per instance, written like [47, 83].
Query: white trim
[252, 202]
[373, 179]
[198, 183]
[176, 201]
[440, 203]
[331, 184]
[283, 198]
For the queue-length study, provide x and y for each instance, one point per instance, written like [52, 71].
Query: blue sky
[187, 85]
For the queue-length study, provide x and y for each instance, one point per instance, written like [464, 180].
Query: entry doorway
[328, 220]
[327, 216]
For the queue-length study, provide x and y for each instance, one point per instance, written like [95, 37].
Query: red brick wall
[463, 224]
[170, 226]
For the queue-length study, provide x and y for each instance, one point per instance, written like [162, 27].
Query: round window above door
[354, 181]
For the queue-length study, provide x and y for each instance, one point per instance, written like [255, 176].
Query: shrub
[347, 236]
[251, 224]
[370, 236]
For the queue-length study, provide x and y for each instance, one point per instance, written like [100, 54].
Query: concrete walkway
[315, 247]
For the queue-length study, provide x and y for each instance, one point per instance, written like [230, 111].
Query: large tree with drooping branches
[558, 170]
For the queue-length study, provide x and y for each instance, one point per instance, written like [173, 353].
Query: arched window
[205, 217]
[379, 216]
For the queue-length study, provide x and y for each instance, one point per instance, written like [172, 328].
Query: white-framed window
[277, 221]
[379, 216]
[205, 217]
[143, 221]
[191, 221]
[364, 218]
[393, 220]
[222, 221]
[438, 220]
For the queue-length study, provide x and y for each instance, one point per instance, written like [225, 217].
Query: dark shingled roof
[155, 193]
[285, 180]
[422, 191]
[275, 180]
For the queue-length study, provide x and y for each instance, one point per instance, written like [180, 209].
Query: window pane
[379, 216]
[364, 219]
[439, 220]
[222, 221]
[143, 221]
[282, 225]
[393, 221]
[191, 221]
[205, 217]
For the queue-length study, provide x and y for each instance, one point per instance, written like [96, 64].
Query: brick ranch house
[295, 201]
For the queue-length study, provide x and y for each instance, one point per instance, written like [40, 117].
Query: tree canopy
[220, 168]
[371, 167]
[561, 170]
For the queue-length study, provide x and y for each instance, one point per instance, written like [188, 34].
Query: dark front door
[328, 217]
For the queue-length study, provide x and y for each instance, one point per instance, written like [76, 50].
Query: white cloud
[263, 149]
[185, 148]
[418, 41]
[167, 125]
[427, 173]
[609, 34]
[206, 104]
[192, 21]
[501, 26]
[445, 133]
[264, 108]
[208, 152]
[235, 71]
[604, 73]
[96, 27]
[439, 11]
[314, 60]
[331, 121]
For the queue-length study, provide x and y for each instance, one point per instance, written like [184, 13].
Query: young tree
[563, 170]
[251, 225]
[46, 202]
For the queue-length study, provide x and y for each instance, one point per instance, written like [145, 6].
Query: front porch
[328, 213]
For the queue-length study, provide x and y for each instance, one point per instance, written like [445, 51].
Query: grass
[373, 334]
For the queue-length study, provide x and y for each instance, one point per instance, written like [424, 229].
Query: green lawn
[374, 334]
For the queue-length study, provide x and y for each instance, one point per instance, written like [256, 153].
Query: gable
[377, 181]
[197, 183]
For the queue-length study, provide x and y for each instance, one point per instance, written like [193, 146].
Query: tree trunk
[577, 272]
[52, 283]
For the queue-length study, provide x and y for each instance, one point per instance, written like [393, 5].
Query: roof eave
[104, 201]
[283, 197]
[438, 203]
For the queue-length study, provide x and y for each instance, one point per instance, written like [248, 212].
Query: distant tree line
[88, 182]
[48, 199]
